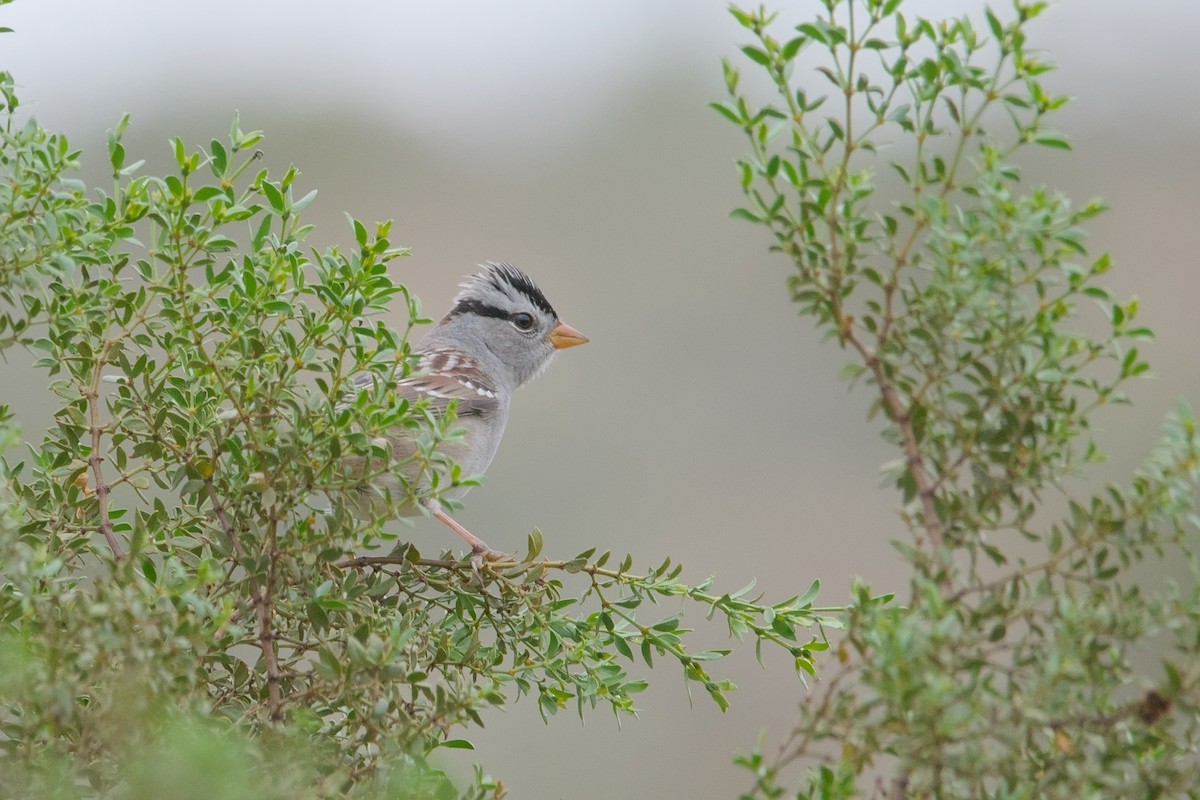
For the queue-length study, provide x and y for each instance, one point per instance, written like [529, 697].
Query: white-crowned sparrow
[500, 333]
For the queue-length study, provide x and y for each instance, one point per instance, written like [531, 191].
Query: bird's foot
[483, 554]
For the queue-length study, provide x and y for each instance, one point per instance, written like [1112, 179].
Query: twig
[903, 419]
[573, 565]
[92, 394]
[789, 751]
[379, 561]
[262, 602]
[461, 566]
[1149, 708]
[845, 323]
[266, 642]
[266, 639]
[891, 398]
[223, 519]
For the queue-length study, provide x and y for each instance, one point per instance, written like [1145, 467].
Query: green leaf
[273, 196]
[456, 744]
[180, 152]
[534, 544]
[851, 370]
[993, 23]
[793, 46]
[622, 646]
[261, 233]
[116, 155]
[805, 600]
[1049, 138]
[206, 193]
[304, 202]
[727, 112]
[756, 55]
[360, 231]
[219, 161]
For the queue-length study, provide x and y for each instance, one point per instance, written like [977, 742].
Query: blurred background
[704, 421]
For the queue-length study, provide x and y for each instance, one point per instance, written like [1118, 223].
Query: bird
[499, 334]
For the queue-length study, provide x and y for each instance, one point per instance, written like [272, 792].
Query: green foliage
[1033, 658]
[183, 598]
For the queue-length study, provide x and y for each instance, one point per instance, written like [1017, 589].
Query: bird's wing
[442, 376]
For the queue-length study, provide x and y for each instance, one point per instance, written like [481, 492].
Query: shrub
[1019, 664]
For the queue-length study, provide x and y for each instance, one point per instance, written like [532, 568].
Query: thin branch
[266, 639]
[1149, 709]
[465, 566]
[926, 488]
[912, 450]
[92, 394]
[266, 642]
[1082, 542]
[732, 607]
[262, 601]
[845, 323]
[223, 519]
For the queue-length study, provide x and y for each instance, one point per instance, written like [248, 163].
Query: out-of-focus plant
[1041, 651]
[184, 599]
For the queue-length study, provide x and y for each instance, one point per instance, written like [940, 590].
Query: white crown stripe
[502, 277]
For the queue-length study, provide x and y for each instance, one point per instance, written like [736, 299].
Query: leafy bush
[187, 605]
[1020, 663]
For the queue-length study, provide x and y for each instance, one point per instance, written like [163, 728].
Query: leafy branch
[615, 625]
[914, 244]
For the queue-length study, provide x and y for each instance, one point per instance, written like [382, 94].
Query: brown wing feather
[442, 376]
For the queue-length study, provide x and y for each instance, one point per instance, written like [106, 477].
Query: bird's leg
[480, 550]
[477, 545]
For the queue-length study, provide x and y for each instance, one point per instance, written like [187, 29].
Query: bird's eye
[523, 321]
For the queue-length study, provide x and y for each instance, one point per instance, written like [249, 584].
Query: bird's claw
[486, 555]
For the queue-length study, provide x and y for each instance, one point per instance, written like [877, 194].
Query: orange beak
[564, 335]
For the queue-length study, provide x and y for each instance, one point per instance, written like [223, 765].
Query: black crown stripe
[472, 306]
[518, 280]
